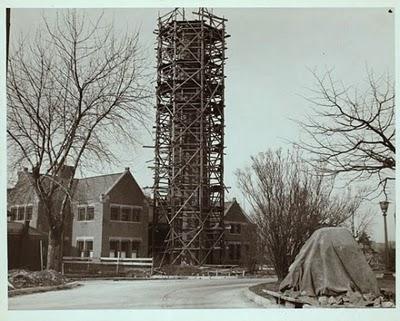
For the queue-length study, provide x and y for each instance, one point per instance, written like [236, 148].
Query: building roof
[92, 187]
[228, 206]
[16, 228]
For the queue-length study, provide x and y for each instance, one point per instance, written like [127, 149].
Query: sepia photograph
[218, 158]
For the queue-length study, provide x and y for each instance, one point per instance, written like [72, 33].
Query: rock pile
[349, 299]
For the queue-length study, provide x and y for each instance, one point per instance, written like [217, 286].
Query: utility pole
[384, 207]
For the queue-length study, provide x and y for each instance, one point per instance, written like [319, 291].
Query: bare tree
[73, 92]
[289, 202]
[350, 131]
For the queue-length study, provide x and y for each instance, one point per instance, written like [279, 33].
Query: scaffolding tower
[189, 143]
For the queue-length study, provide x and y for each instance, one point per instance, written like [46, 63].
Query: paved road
[194, 293]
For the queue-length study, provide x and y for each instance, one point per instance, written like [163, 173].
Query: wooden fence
[72, 265]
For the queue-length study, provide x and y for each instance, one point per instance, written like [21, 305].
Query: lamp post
[384, 207]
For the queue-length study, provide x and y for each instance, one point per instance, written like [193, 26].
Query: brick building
[24, 205]
[108, 215]
[239, 236]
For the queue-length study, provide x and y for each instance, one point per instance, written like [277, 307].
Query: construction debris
[26, 279]
[206, 270]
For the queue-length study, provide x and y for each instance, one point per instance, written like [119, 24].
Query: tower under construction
[189, 143]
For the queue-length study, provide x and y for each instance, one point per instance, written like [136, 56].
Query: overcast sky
[269, 54]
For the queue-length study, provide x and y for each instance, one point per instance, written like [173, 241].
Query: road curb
[264, 302]
[39, 289]
[152, 278]
[100, 278]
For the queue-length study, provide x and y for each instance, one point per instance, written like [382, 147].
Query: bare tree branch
[351, 132]
[66, 90]
[290, 201]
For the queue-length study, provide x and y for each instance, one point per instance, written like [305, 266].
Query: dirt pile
[26, 279]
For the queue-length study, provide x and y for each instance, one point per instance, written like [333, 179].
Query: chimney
[234, 200]
[22, 174]
[104, 198]
[126, 169]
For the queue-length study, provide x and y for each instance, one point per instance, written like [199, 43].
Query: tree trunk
[54, 252]
[281, 267]
[280, 273]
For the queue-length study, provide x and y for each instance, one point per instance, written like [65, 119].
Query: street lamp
[384, 207]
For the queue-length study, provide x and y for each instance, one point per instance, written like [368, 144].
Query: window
[238, 251]
[114, 213]
[81, 213]
[13, 213]
[81, 246]
[231, 251]
[85, 248]
[21, 213]
[124, 248]
[235, 228]
[234, 251]
[89, 248]
[85, 213]
[125, 214]
[136, 215]
[28, 213]
[114, 247]
[135, 249]
[90, 213]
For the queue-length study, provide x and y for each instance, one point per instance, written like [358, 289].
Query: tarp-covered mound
[330, 263]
